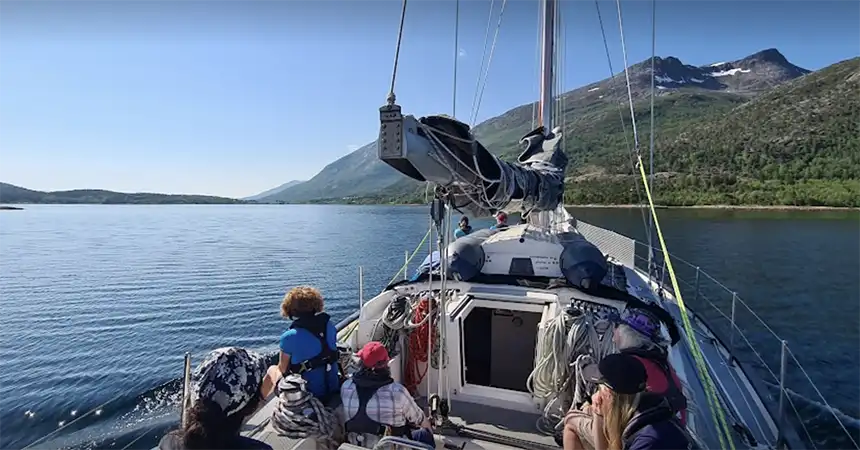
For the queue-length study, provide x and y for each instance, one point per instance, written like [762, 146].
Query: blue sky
[232, 98]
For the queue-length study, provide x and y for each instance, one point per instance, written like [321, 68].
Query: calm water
[99, 303]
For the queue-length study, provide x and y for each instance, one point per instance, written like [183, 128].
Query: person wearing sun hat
[225, 392]
[374, 402]
[638, 333]
[624, 415]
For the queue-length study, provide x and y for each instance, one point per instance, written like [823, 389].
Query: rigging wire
[97, 410]
[562, 72]
[391, 98]
[612, 86]
[537, 70]
[483, 57]
[456, 57]
[627, 77]
[483, 83]
[821, 396]
[651, 126]
[716, 409]
[147, 431]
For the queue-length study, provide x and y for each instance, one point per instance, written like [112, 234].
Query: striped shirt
[391, 405]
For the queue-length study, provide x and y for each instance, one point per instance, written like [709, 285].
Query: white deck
[513, 414]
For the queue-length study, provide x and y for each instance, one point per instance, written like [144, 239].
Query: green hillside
[14, 194]
[796, 144]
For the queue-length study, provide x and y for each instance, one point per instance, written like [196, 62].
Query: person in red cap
[501, 221]
[374, 403]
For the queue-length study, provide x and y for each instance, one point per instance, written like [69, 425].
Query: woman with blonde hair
[308, 347]
[625, 416]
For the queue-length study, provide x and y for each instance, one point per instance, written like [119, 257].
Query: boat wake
[125, 421]
[820, 420]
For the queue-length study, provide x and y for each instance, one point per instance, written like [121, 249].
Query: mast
[547, 12]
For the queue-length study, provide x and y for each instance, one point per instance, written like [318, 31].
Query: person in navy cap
[624, 414]
[637, 333]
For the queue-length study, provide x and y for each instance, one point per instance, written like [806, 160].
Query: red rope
[417, 354]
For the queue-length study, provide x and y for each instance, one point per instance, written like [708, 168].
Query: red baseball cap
[373, 354]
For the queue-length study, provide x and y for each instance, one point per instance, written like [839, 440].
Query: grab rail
[400, 442]
[734, 330]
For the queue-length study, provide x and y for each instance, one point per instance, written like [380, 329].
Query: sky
[231, 98]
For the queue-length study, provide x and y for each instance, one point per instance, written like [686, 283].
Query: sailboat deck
[500, 422]
[506, 424]
[739, 393]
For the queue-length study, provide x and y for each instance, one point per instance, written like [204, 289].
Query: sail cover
[443, 150]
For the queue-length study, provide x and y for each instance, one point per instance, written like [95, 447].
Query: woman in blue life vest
[308, 347]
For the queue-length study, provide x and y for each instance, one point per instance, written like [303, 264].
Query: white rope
[565, 344]
[292, 418]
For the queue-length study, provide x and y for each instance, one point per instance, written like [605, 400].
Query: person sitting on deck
[374, 402]
[637, 333]
[463, 229]
[501, 221]
[308, 347]
[225, 393]
[626, 416]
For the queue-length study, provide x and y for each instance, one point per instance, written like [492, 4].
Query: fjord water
[99, 303]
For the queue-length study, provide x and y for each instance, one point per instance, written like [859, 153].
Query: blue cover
[426, 265]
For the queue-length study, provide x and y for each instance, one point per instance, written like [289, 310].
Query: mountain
[274, 191]
[15, 194]
[358, 173]
[752, 74]
[689, 99]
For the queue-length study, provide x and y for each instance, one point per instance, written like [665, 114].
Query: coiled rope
[419, 346]
[565, 345]
[292, 418]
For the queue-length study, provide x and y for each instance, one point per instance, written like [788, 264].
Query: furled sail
[443, 150]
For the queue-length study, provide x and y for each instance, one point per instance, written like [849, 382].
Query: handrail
[778, 380]
[400, 442]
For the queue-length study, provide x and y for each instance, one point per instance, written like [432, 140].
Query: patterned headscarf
[230, 377]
